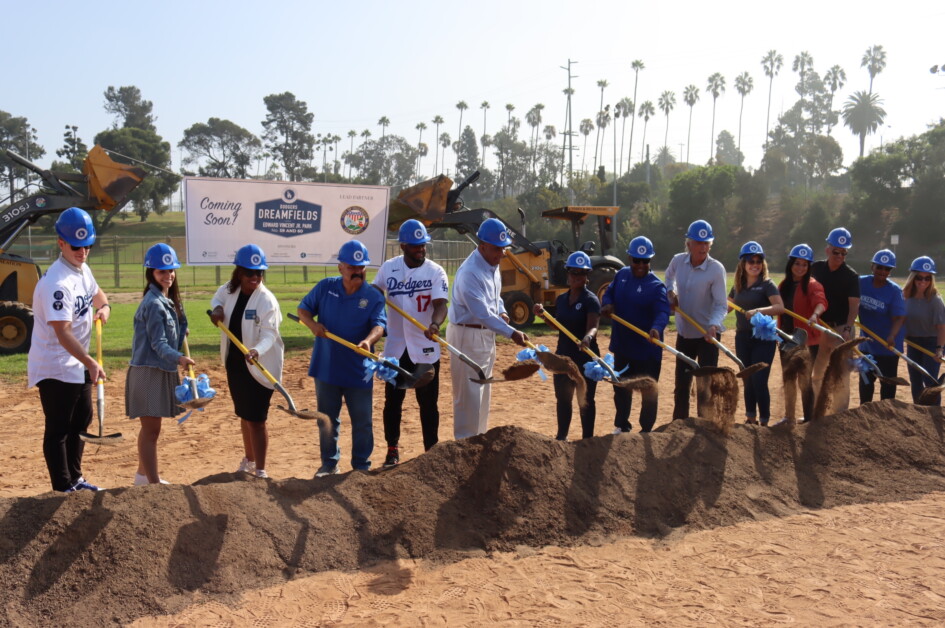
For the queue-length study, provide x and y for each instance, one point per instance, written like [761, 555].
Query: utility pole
[568, 128]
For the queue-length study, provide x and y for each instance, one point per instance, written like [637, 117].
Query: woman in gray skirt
[160, 327]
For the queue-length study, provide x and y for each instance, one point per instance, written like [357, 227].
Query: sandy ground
[870, 563]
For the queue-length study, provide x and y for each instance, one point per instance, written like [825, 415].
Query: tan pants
[471, 400]
[841, 398]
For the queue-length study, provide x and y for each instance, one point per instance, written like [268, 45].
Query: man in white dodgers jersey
[419, 287]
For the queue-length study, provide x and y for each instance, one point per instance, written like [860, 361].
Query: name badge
[249, 315]
[427, 350]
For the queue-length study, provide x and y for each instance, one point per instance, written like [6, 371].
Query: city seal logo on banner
[355, 220]
[288, 216]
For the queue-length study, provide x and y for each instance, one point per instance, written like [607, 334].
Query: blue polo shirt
[574, 319]
[877, 307]
[642, 302]
[350, 316]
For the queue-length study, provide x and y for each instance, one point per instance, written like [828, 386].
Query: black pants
[622, 396]
[564, 393]
[888, 366]
[426, 399]
[68, 410]
[757, 396]
[703, 352]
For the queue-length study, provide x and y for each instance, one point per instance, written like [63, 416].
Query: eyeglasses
[79, 248]
[251, 272]
[883, 268]
[639, 260]
[755, 260]
[923, 277]
[839, 252]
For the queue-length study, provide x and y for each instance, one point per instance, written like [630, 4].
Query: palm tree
[863, 114]
[602, 84]
[462, 106]
[802, 64]
[351, 134]
[567, 135]
[420, 127]
[743, 85]
[533, 118]
[384, 122]
[666, 102]
[550, 132]
[437, 120]
[484, 105]
[626, 110]
[690, 97]
[509, 107]
[835, 79]
[874, 60]
[647, 111]
[587, 125]
[715, 86]
[771, 63]
[603, 120]
[444, 143]
[637, 66]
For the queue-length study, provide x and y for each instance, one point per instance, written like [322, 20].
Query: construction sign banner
[301, 224]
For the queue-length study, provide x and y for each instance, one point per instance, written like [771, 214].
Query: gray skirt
[150, 392]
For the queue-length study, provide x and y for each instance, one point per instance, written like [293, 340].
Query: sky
[410, 60]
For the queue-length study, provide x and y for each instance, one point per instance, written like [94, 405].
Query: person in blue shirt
[637, 295]
[348, 307]
[882, 311]
[578, 311]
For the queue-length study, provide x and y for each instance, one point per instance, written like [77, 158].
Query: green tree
[834, 79]
[533, 119]
[874, 60]
[467, 153]
[603, 121]
[637, 65]
[771, 62]
[625, 109]
[726, 153]
[18, 135]
[863, 114]
[461, 106]
[690, 97]
[647, 111]
[716, 87]
[220, 148]
[146, 146]
[743, 85]
[822, 156]
[126, 104]
[484, 105]
[803, 63]
[421, 127]
[383, 122]
[445, 142]
[287, 132]
[389, 160]
[437, 121]
[73, 150]
[587, 125]
[666, 101]
[351, 135]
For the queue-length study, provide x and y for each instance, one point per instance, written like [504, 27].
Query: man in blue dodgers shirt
[477, 315]
[636, 295]
[419, 287]
[347, 307]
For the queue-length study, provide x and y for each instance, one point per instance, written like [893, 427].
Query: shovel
[459, 354]
[423, 374]
[745, 371]
[922, 349]
[302, 414]
[679, 355]
[902, 355]
[791, 342]
[614, 378]
[102, 438]
[197, 402]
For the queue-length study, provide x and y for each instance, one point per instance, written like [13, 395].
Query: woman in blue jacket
[160, 326]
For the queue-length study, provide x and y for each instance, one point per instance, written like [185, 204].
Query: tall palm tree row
[715, 86]
[690, 97]
[771, 63]
[743, 85]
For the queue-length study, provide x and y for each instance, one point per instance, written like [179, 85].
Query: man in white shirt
[419, 287]
[59, 363]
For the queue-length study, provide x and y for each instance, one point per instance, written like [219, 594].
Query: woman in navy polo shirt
[578, 310]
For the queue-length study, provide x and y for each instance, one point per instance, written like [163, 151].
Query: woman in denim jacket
[160, 327]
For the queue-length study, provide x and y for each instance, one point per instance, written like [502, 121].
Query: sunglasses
[883, 268]
[79, 248]
[579, 273]
[639, 260]
[840, 252]
[923, 277]
[249, 272]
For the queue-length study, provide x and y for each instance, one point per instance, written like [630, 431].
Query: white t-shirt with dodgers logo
[413, 290]
[64, 293]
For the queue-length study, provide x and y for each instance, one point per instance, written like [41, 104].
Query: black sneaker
[393, 457]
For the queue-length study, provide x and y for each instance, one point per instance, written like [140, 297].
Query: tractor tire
[520, 308]
[599, 278]
[16, 328]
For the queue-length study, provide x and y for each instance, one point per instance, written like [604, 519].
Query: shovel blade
[751, 370]
[422, 375]
[107, 439]
[196, 404]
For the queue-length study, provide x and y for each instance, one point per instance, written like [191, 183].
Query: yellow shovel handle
[245, 351]
[419, 325]
[551, 319]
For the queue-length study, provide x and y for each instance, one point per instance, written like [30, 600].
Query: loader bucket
[109, 181]
[425, 201]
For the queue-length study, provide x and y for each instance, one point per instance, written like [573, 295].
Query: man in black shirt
[842, 288]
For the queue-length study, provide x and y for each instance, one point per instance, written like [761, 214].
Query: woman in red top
[804, 295]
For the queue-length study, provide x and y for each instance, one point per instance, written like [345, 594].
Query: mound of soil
[117, 555]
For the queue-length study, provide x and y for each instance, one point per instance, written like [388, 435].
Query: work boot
[393, 457]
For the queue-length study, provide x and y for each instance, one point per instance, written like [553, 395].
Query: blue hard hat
[161, 257]
[493, 231]
[923, 264]
[700, 231]
[885, 257]
[641, 247]
[252, 257]
[413, 232]
[840, 238]
[751, 248]
[578, 259]
[802, 251]
[354, 253]
[75, 227]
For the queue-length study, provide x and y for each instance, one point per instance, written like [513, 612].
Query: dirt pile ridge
[113, 556]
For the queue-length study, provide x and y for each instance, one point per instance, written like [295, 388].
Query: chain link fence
[116, 262]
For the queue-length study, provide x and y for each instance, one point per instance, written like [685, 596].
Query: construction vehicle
[532, 272]
[103, 185]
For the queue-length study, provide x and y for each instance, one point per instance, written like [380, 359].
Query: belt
[472, 325]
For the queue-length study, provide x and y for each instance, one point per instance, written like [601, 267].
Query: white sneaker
[142, 480]
[247, 466]
[261, 473]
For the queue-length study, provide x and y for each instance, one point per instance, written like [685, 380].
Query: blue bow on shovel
[185, 392]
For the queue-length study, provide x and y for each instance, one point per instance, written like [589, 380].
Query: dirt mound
[113, 556]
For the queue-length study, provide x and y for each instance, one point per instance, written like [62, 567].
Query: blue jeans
[750, 351]
[919, 381]
[359, 402]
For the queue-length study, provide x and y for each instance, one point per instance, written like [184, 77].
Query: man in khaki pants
[842, 288]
